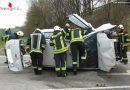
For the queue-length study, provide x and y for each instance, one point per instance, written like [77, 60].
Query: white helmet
[121, 26]
[57, 28]
[37, 29]
[20, 33]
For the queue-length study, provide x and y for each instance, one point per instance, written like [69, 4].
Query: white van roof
[47, 30]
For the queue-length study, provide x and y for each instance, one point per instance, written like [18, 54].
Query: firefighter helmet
[20, 33]
[57, 28]
[37, 30]
[121, 26]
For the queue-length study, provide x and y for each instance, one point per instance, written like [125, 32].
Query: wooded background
[48, 13]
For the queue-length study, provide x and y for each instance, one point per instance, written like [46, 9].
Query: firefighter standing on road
[76, 45]
[123, 40]
[36, 47]
[7, 35]
[57, 40]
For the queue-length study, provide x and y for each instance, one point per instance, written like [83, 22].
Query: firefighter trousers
[6, 62]
[124, 54]
[77, 47]
[60, 63]
[37, 60]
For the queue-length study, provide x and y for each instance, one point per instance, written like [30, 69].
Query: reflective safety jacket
[5, 38]
[57, 40]
[76, 35]
[123, 38]
[36, 42]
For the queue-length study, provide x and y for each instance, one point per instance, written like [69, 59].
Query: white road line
[92, 88]
[2, 56]
[3, 66]
[116, 74]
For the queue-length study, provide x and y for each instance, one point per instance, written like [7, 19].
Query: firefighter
[7, 35]
[19, 35]
[57, 40]
[67, 30]
[123, 40]
[36, 48]
[76, 45]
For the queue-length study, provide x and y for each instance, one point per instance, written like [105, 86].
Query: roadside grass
[1, 43]
[1, 47]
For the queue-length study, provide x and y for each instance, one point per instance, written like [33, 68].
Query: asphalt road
[117, 79]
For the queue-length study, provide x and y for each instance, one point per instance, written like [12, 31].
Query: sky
[11, 19]
[16, 17]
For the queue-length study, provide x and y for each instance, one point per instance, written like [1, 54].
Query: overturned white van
[100, 49]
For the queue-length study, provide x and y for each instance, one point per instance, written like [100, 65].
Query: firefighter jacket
[57, 40]
[7, 36]
[36, 43]
[75, 35]
[123, 38]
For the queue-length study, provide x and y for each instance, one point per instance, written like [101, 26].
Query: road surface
[117, 79]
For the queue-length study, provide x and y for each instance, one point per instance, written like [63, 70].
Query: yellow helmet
[67, 25]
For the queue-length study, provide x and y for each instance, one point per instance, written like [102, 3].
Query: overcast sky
[15, 17]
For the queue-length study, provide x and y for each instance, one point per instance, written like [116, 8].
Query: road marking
[92, 88]
[3, 66]
[127, 73]
[2, 56]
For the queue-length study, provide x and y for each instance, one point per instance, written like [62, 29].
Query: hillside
[111, 13]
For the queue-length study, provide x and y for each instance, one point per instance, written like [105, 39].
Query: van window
[48, 35]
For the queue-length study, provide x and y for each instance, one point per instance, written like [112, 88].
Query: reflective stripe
[127, 39]
[56, 35]
[39, 68]
[126, 34]
[54, 44]
[83, 57]
[77, 38]
[125, 58]
[37, 43]
[72, 36]
[64, 68]
[61, 50]
[74, 62]
[34, 67]
[57, 69]
[5, 38]
[120, 33]
[80, 35]
[62, 43]
[122, 38]
[35, 51]
[65, 32]
[124, 45]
